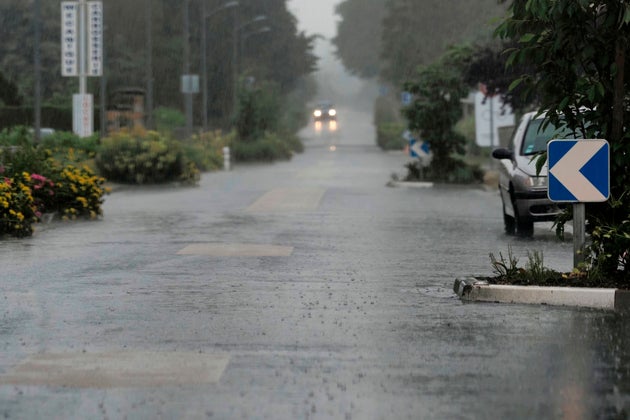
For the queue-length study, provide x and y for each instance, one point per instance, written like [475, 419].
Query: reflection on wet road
[302, 289]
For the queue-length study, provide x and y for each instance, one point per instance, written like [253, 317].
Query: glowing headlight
[317, 113]
[332, 112]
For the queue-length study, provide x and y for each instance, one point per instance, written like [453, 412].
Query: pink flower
[38, 177]
[38, 214]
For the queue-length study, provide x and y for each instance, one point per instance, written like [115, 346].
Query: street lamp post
[235, 56]
[204, 46]
[38, 69]
[188, 96]
[148, 11]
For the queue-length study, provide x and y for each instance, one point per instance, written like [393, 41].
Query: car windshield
[538, 135]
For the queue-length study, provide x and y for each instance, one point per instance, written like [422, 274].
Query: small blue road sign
[579, 171]
[419, 149]
[405, 98]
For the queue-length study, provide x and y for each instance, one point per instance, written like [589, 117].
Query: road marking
[288, 200]
[237, 250]
[118, 369]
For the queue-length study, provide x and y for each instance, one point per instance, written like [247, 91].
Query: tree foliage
[578, 50]
[359, 33]
[283, 55]
[418, 32]
[439, 89]
[8, 92]
[488, 67]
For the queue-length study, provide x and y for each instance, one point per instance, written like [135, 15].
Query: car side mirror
[502, 154]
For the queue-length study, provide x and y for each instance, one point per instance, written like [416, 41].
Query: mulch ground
[563, 280]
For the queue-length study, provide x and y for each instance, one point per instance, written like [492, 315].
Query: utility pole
[38, 69]
[188, 98]
[149, 62]
[235, 65]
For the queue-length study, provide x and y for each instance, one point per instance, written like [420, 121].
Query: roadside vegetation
[37, 182]
[508, 270]
[577, 52]
[565, 58]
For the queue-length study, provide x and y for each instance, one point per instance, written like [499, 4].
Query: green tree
[8, 92]
[578, 50]
[359, 33]
[439, 89]
[417, 32]
[283, 55]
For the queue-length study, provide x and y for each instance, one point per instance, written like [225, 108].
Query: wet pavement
[303, 289]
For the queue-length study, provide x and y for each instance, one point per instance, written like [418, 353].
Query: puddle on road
[437, 292]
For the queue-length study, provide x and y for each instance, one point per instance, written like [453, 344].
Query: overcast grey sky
[316, 16]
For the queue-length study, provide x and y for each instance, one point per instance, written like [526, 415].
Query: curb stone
[472, 290]
[409, 184]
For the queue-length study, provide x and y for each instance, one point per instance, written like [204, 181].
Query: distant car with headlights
[325, 111]
[523, 192]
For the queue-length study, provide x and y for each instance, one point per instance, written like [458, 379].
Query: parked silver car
[523, 193]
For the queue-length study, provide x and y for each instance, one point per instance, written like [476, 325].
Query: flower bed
[24, 199]
[33, 182]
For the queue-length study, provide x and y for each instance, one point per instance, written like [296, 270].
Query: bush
[78, 192]
[34, 181]
[458, 172]
[168, 119]
[17, 207]
[206, 149]
[389, 136]
[67, 147]
[143, 157]
[269, 148]
[259, 111]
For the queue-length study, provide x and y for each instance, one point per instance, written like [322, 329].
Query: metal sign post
[82, 55]
[579, 234]
[579, 172]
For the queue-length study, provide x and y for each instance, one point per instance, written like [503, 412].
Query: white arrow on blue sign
[579, 171]
[420, 149]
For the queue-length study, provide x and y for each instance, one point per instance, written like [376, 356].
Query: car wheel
[524, 228]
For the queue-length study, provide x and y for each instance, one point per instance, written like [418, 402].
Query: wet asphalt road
[304, 289]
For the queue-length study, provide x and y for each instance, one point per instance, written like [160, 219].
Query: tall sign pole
[82, 56]
[38, 70]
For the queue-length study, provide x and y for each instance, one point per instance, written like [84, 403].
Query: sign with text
[69, 38]
[82, 123]
[95, 38]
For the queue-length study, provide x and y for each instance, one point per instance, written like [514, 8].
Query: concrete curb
[472, 290]
[397, 184]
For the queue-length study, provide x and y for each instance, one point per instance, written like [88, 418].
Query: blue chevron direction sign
[419, 149]
[579, 171]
